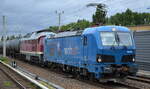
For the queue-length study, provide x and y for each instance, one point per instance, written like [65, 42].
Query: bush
[4, 59]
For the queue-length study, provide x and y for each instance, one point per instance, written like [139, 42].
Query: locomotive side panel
[66, 50]
[29, 48]
[32, 47]
[40, 45]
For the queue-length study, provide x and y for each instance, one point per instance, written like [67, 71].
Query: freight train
[102, 53]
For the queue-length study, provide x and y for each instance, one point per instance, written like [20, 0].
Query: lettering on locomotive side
[71, 51]
[129, 51]
[52, 51]
[59, 49]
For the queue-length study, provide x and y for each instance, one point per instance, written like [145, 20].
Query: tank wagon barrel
[12, 46]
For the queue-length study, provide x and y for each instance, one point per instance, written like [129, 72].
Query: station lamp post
[59, 19]
[4, 36]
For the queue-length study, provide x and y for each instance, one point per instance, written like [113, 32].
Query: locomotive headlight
[133, 59]
[99, 59]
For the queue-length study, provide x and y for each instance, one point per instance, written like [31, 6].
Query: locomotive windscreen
[108, 38]
[125, 39]
[116, 38]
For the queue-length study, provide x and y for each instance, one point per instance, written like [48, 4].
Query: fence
[142, 40]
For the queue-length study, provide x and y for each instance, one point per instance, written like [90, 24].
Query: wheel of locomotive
[91, 76]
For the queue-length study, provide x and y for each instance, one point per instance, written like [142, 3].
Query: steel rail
[140, 78]
[14, 80]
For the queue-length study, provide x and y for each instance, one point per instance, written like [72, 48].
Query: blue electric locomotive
[105, 52]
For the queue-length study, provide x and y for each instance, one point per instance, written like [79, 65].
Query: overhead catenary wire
[76, 12]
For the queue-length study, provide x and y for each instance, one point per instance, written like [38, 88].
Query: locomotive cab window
[108, 38]
[116, 39]
[125, 39]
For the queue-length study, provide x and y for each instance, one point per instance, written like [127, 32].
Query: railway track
[8, 82]
[110, 85]
[82, 79]
[76, 83]
[140, 78]
[138, 82]
[12, 80]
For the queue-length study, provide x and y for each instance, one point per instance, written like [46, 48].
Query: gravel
[63, 80]
[59, 79]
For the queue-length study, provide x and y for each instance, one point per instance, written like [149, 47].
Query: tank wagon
[104, 53]
[12, 47]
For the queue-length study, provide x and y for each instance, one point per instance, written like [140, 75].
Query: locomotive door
[85, 49]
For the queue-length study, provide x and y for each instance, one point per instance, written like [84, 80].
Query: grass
[4, 59]
[47, 85]
[7, 84]
[34, 86]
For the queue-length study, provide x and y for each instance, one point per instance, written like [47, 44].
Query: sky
[25, 16]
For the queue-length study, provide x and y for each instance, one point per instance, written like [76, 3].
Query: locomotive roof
[68, 33]
[106, 28]
[90, 31]
[36, 35]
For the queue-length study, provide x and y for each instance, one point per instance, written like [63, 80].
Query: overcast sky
[25, 16]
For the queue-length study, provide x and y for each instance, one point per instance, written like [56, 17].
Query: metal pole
[59, 19]
[4, 36]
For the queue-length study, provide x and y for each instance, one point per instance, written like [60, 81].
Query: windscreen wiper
[118, 40]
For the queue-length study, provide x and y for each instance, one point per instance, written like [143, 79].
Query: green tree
[2, 38]
[7, 38]
[79, 25]
[53, 28]
[130, 18]
[12, 37]
[100, 15]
